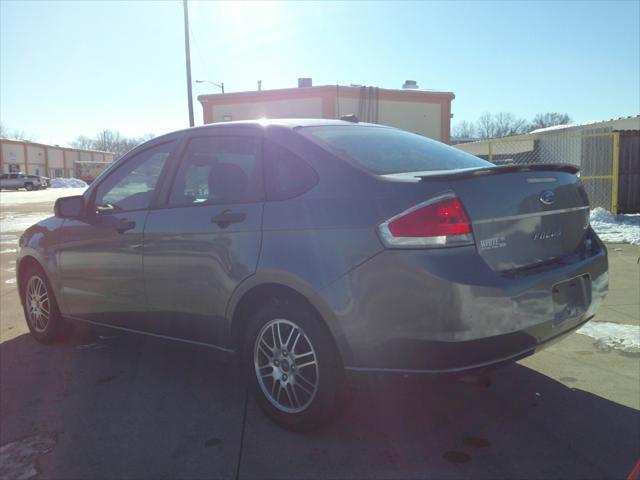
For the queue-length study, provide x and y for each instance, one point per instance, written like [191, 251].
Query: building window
[13, 167]
[56, 173]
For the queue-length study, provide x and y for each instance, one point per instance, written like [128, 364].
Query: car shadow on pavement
[120, 406]
[523, 425]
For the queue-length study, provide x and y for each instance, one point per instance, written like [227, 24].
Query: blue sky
[75, 68]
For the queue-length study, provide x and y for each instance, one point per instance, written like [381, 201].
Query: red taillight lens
[436, 223]
[440, 219]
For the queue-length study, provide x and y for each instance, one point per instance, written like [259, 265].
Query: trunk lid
[522, 215]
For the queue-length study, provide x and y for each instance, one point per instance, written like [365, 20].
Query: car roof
[291, 123]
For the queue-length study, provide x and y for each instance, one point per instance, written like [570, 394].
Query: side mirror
[69, 207]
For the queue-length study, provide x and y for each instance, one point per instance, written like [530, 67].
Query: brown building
[424, 112]
[51, 161]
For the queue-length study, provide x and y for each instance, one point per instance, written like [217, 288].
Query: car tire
[40, 307]
[28, 186]
[294, 392]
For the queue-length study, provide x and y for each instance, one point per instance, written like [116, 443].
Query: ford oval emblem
[547, 197]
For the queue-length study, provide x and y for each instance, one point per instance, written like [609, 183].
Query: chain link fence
[594, 151]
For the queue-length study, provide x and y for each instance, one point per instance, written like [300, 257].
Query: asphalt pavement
[109, 405]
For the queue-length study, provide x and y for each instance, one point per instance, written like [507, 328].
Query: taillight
[439, 222]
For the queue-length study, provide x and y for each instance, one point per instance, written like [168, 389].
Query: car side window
[286, 175]
[4, 176]
[218, 170]
[131, 186]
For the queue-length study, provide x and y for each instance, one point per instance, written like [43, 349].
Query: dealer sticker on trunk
[493, 243]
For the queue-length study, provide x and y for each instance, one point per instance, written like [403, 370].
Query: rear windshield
[386, 150]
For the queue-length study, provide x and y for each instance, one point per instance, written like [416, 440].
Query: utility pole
[188, 60]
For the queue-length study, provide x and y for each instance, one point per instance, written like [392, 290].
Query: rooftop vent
[410, 85]
[305, 82]
[349, 118]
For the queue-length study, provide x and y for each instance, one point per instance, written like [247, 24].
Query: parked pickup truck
[20, 180]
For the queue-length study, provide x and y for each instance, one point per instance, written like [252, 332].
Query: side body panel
[101, 269]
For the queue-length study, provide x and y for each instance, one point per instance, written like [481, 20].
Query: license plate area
[571, 298]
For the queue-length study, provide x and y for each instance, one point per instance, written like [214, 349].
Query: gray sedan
[318, 250]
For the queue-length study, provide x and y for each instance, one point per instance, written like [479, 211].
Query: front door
[206, 239]
[101, 262]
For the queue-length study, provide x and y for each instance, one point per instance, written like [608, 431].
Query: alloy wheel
[38, 304]
[286, 365]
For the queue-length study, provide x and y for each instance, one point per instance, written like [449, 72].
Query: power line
[195, 41]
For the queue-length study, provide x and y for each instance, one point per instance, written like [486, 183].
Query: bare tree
[551, 119]
[464, 130]
[15, 134]
[110, 141]
[508, 124]
[83, 142]
[485, 126]
[500, 125]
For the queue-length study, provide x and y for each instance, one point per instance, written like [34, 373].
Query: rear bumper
[446, 311]
[442, 358]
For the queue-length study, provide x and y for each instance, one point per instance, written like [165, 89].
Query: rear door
[206, 239]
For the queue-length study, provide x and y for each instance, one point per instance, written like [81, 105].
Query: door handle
[226, 218]
[123, 225]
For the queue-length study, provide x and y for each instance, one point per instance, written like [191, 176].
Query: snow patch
[9, 250]
[18, 459]
[10, 282]
[7, 238]
[613, 336]
[22, 197]
[616, 228]
[67, 183]
[20, 222]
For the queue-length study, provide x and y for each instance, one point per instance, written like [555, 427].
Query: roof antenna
[349, 118]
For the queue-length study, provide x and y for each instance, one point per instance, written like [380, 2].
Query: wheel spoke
[310, 384]
[279, 335]
[275, 339]
[286, 390]
[307, 364]
[295, 395]
[286, 343]
[310, 352]
[295, 342]
[302, 387]
[265, 349]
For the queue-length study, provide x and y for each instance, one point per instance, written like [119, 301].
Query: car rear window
[386, 150]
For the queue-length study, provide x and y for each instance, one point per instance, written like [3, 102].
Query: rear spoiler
[476, 172]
